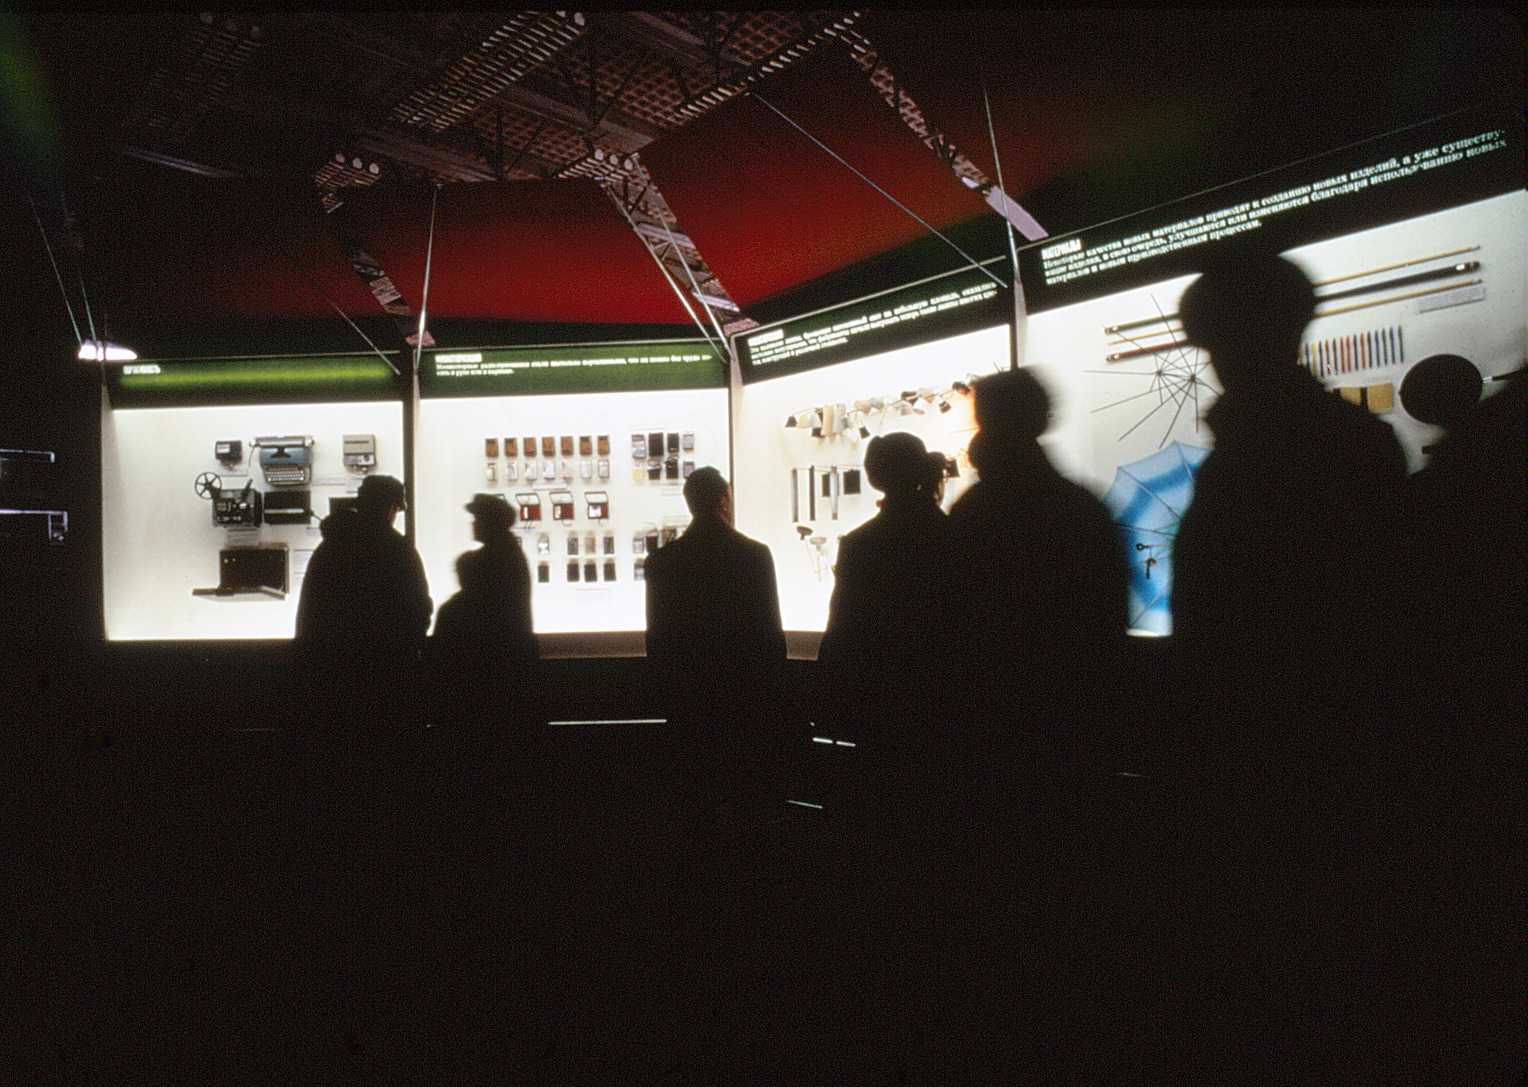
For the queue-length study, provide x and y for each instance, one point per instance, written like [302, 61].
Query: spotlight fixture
[944, 406]
[105, 351]
[790, 422]
[803, 531]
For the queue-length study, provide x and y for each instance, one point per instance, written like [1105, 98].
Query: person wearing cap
[888, 610]
[490, 617]
[365, 607]
[485, 688]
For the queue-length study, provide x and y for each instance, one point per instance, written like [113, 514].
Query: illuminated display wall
[802, 486]
[1416, 243]
[160, 539]
[1393, 289]
[590, 443]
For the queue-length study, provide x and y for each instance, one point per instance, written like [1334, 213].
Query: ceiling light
[339, 157]
[373, 168]
[105, 351]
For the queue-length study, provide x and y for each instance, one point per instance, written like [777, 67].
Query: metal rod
[424, 297]
[1399, 298]
[1393, 267]
[78, 339]
[1462, 268]
[1020, 312]
[668, 277]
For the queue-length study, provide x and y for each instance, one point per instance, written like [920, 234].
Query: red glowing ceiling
[557, 251]
[756, 184]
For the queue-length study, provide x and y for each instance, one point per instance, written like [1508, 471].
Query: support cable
[669, 277]
[1020, 311]
[79, 340]
[424, 296]
[974, 262]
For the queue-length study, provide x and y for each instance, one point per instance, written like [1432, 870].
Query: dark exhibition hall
[859, 547]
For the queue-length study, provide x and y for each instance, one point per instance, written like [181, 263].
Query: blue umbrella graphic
[1148, 498]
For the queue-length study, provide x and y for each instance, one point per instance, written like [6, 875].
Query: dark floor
[216, 906]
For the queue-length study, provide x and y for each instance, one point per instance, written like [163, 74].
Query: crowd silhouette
[1305, 566]
[1330, 612]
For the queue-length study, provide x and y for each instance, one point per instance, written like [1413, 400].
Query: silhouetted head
[1011, 405]
[470, 570]
[1248, 309]
[898, 463]
[708, 494]
[1442, 390]
[492, 516]
[380, 498]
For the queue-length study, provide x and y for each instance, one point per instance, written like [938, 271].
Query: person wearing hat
[365, 606]
[888, 610]
[486, 693]
[491, 614]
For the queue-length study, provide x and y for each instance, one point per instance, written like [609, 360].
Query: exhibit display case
[215, 475]
[818, 387]
[590, 444]
[1415, 243]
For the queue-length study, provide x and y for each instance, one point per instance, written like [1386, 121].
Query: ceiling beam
[655, 33]
[562, 109]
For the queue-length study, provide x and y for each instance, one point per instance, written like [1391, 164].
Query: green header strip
[277, 379]
[570, 368]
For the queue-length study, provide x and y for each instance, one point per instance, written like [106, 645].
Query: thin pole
[1020, 311]
[673, 284]
[56, 273]
[411, 404]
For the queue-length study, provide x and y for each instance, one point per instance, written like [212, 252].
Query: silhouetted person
[365, 603]
[889, 608]
[1281, 563]
[489, 620]
[483, 655]
[1043, 578]
[715, 642]
[1465, 564]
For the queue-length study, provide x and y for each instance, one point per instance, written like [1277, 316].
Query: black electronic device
[345, 502]
[610, 569]
[671, 468]
[851, 481]
[655, 444]
[591, 572]
[573, 570]
[543, 573]
[237, 508]
[250, 571]
[289, 507]
[673, 441]
[229, 452]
